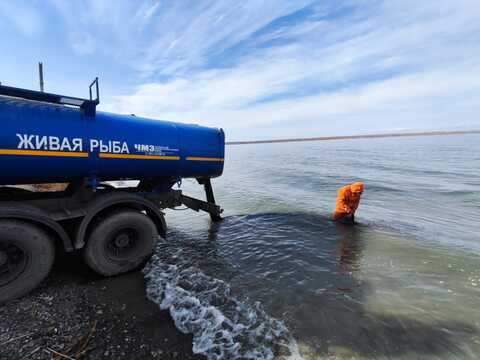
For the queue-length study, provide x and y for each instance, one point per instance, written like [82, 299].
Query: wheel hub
[3, 258]
[13, 262]
[122, 241]
[122, 244]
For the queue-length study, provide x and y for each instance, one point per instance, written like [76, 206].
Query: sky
[259, 69]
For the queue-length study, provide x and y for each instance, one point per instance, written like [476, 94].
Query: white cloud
[170, 36]
[347, 64]
[211, 102]
[26, 19]
[186, 35]
[82, 43]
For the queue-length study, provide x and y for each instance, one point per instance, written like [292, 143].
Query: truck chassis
[115, 229]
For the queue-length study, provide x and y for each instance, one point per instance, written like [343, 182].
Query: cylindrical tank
[41, 142]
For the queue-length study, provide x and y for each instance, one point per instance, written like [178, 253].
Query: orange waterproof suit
[348, 200]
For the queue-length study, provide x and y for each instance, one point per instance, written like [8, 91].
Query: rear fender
[34, 215]
[110, 202]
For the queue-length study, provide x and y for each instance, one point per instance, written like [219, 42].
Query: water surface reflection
[320, 278]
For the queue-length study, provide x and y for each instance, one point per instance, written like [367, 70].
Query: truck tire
[27, 254]
[120, 243]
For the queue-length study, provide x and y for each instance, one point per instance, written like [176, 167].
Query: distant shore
[354, 137]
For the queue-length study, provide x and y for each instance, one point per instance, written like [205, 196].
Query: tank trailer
[48, 138]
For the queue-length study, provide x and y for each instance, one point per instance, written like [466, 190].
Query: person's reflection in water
[348, 253]
[349, 248]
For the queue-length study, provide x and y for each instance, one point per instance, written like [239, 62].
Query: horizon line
[354, 137]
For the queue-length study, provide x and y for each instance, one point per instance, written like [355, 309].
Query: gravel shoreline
[77, 314]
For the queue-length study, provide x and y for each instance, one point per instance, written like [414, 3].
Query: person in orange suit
[348, 200]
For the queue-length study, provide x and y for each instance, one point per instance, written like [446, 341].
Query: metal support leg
[207, 184]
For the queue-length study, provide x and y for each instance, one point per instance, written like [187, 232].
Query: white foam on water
[222, 326]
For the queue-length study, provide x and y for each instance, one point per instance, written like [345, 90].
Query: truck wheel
[26, 258]
[120, 243]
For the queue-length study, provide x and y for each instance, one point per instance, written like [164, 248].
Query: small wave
[222, 326]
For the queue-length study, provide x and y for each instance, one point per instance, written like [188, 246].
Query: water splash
[223, 327]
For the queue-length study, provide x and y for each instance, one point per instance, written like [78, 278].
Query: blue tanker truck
[49, 138]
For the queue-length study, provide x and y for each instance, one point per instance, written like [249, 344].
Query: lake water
[278, 279]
